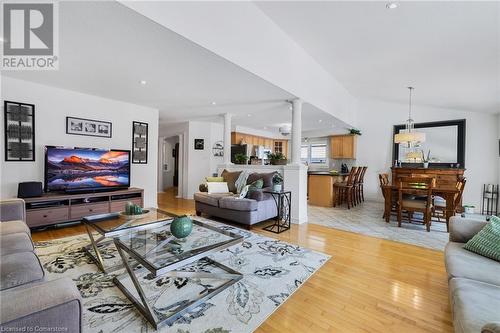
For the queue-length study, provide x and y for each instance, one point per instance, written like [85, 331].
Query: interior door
[176, 165]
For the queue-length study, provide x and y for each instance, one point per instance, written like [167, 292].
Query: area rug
[366, 219]
[272, 270]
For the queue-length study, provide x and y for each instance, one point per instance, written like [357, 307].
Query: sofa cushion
[256, 195]
[19, 268]
[230, 178]
[210, 199]
[474, 304]
[465, 264]
[12, 227]
[214, 179]
[487, 241]
[14, 243]
[267, 178]
[233, 203]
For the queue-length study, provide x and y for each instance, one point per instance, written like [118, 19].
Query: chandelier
[409, 136]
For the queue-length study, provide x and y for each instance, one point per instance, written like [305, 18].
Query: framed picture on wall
[19, 129]
[139, 142]
[199, 144]
[88, 127]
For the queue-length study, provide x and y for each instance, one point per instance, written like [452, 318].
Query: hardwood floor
[369, 285]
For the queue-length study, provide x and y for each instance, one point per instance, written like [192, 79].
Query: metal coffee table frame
[127, 254]
[94, 243]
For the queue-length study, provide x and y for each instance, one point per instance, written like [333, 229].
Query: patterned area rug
[272, 271]
[366, 219]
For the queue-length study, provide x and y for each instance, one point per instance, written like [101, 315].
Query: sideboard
[54, 208]
[445, 177]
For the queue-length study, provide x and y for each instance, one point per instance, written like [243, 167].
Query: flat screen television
[82, 169]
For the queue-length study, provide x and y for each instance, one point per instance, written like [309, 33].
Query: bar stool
[345, 190]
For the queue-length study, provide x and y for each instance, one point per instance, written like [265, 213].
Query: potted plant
[277, 158]
[354, 131]
[469, 209]
[277, 182]
[240, 158]
[426, 159]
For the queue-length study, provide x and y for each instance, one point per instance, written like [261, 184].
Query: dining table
[447, 192]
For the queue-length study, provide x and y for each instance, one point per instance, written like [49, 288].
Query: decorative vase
[278, 162]
[426, 165]
[181, 226]
[469, 210]
[277, 187]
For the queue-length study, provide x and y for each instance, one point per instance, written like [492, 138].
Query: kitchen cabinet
[343, 146]
[280, 146]
[254, 140]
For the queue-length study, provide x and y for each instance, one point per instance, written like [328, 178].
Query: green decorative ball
[181, 226]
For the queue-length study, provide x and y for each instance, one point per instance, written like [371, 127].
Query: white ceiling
[106, 49]
[448, 50]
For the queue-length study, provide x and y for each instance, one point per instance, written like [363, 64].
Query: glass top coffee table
[112, 225]
[167, 277]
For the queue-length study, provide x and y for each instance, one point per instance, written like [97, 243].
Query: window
[314, 153]
[318, 153]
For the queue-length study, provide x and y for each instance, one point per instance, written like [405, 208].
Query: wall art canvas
[139, 142]
[89, 127]
[19, 129]
[199, 144]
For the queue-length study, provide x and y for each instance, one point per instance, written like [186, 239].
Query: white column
[296, 130]
[227, 138]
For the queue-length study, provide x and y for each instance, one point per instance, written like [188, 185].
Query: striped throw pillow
[487, 241]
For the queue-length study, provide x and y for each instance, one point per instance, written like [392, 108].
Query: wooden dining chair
[439, 203]
[362, 184]
[356, 186]
[344, 190]
[383, 179]
[411, 190]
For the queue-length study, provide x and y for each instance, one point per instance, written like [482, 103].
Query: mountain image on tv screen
[68, 169]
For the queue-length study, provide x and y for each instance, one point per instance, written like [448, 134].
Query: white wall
[52, 105]
[376, 120]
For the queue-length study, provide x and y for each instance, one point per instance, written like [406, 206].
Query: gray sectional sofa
[28, 302]
[243, 211]
[474, 281]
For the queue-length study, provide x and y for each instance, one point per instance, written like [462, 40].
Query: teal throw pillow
[487, 241]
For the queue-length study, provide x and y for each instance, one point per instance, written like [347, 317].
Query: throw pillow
[215, 179]
[244, 192]
[203, 187]
[258, 184]
[487, 241]
[230, 178]
[266, 177]
[214, 187]
[256, 195]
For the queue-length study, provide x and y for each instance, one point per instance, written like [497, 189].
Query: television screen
[69, 169]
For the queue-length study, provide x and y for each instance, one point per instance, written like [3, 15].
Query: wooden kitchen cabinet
[343, 146]
[280, 146]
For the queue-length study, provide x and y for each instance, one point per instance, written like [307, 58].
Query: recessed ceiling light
[391, 5]
[265, 127]
[320, 120]
[143, 82]
[214, 103]
[249, 115]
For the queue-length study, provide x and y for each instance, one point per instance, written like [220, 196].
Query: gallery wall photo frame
[19, 131]
[89, 127]
[199, 144]
[140, 136]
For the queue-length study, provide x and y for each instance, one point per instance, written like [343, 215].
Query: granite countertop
[326, 173]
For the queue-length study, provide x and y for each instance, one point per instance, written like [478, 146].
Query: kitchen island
[320, 187]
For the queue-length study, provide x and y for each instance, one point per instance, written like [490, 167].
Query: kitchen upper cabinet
[280, 146]
[343, 146]
[274, 145]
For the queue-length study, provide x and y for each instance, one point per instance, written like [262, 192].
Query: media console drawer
[46, 216]
[119, 205]
[79, 211]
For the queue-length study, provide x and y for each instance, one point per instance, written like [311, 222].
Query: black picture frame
[89, 127]
[19, 130]
[461, 126]
[199, 144]
[140, 138]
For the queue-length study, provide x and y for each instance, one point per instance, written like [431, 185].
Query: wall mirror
[444, 139]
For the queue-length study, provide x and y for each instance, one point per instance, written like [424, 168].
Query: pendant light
[409, 137]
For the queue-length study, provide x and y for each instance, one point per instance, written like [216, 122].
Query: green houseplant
[426, 159]
[240, 158]
[277, 158]
[277, 182]
[354, 131]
